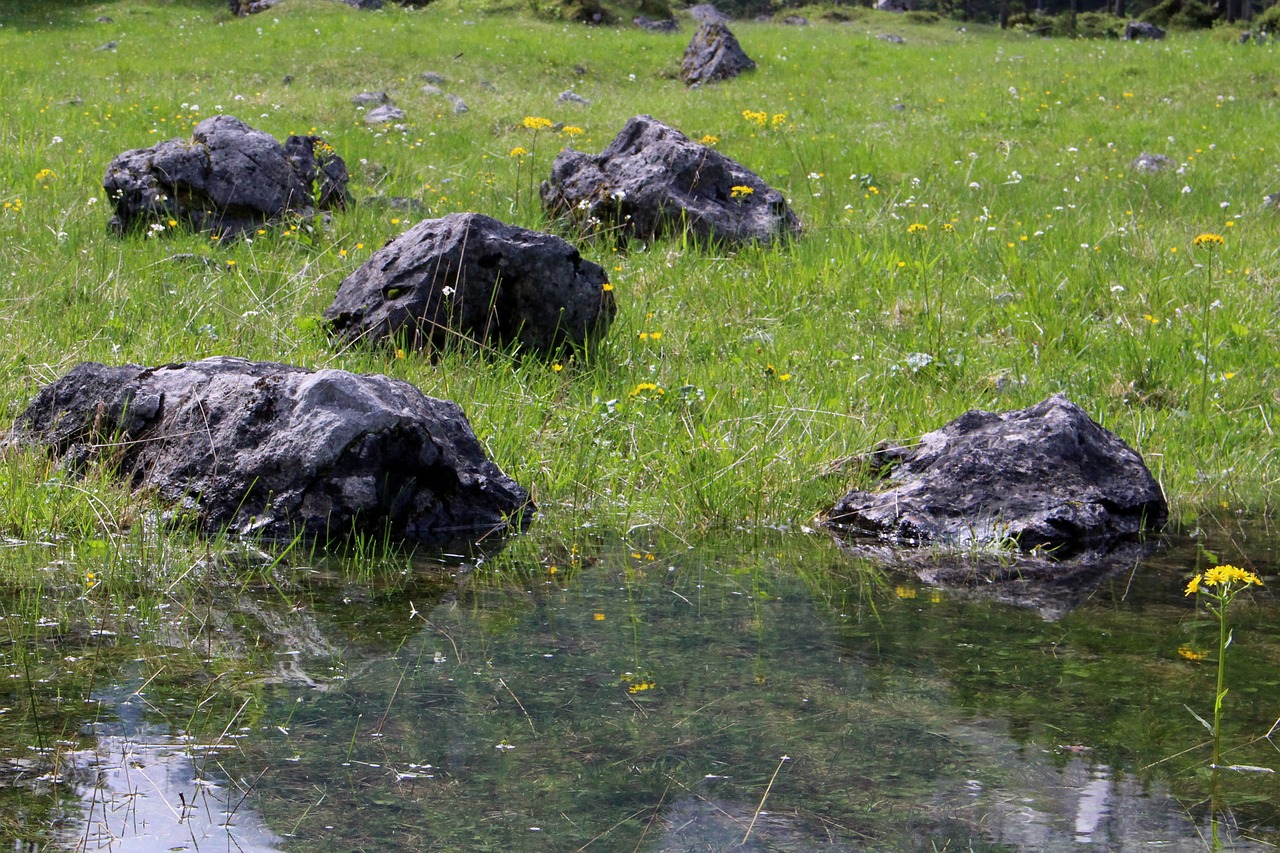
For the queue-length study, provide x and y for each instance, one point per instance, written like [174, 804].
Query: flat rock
[269, 450]
[370, 99]
[470, 279]
[713, 54]
[227, 179]
[661, 25]
[1152, 163]
[384, 113]
[652, 179]
[1042, 478]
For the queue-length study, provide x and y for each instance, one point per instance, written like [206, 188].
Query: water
[765, 694]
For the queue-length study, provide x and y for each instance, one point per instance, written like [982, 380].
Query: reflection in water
[644, 700]
[148, 791]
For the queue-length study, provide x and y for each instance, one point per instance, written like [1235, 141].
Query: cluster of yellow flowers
[535, 123]
[646, 389]
[1223, 576]
[917, 228]
[1208, 241]
[15, 205]
[741, 191]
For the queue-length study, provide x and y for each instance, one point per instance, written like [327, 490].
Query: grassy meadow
[1045, 262]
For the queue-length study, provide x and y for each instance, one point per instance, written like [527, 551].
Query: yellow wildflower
[1189, 653]
[709, 139]
[535, 123]
[45, 174]
[1208, 241]
[608, 287]
[519, 151]
[572, 130]
[741, 191]
[917, 228]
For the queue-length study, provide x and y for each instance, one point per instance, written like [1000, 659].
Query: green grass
[1064, 271]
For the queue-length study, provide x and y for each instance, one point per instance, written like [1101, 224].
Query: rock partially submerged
[713, 54]
[270, 450]
[227, 179]
[468, 278]
[1046, 478]
[653, 180]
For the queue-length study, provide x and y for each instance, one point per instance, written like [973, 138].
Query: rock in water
[652, 179]
[269, 450]
[470, 279]
[227, 179]
[713, 54]
[1045, 477]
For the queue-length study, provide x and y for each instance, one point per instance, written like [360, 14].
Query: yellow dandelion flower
[1189, 653]
[519, 151]
[1208, 241]
[535, 123]
[608, 287]
[1193, 586]
[557, 367]
[917, 228]
[709, 139]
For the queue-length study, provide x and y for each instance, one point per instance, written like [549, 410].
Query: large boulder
[468, 278]
[652, 179]
[1045, 478]
[227, 179]
[273, 451]
[713, 54]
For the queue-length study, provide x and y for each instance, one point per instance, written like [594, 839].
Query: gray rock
[383, 114]
[1135, 30]
[371, 99]
[895, 6]
[270, 450]
[891, 38]
[241, 8]
[111, 45]
[104, 19]
[227, 179]
[667, 25]
[430, 89]
[571, 97]
[433, 78]
[705, 13]
[1152, 163]
[366, 5]
[1044, 477]
[796, 21]
[470, 279]
[652, 180]
[459, 105]
[713, 54]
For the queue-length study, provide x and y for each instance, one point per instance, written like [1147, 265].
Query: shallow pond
[642, 693]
